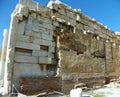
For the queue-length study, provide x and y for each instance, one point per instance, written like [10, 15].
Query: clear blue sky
[105, 11]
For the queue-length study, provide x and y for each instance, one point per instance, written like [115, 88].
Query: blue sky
[106, 12]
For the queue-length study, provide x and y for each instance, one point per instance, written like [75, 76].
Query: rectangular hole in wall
[43, 47]
[21, 51]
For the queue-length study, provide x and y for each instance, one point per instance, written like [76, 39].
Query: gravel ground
[110, 90]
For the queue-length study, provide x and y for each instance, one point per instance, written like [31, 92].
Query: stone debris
[76, 92]
[110, 90]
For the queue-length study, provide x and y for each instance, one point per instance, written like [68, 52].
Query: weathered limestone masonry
[88, 51]
[59, 41]
[31, 47]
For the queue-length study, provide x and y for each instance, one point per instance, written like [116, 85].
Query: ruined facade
[59, 41]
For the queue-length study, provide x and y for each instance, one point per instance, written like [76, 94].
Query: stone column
[3, 55]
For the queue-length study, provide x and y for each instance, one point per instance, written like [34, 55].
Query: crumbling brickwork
[30, 86]
[59, 41]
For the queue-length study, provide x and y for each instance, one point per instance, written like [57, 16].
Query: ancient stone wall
[86, 48]
[31, 44]
[59, 41]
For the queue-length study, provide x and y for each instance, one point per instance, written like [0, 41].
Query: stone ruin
[58, 46]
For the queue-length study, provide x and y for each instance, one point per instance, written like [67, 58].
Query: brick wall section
[32, 86]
